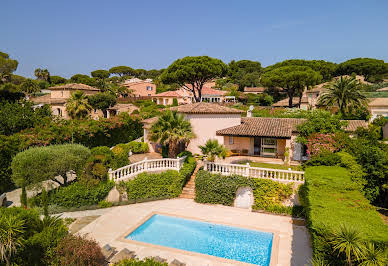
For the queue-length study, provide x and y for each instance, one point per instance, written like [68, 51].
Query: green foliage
[102, 101]
[175, 102]
[269, 193]
[104, 204]
[368, 67]
[333, 200]
[213, 149]
[100, 74]
[194, 70]
[45, 163]
[167, 184]
[7, 67]
[218, 189]
[56, 80]
[17, 116]
[122, 71]
[319, 121]
[77, 105]
[23, 197]
[30, 86]
[172, 129]
[76, 195]
[84, 79]
[326, 158]
[45, 202]
[137, 147]
[259, 99]
[136, 262]
[292, 79]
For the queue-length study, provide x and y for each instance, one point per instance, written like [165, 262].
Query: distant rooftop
[74, 86]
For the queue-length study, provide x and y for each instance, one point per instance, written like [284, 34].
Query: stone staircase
[188, 191]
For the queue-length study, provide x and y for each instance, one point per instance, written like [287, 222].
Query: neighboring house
[115, 110]
[378, 107]
[254, 136]
[270, 137]
[295, 102]
[167, 97]
[254, 90]
[140, 88]
[205, 119]
[59, 96]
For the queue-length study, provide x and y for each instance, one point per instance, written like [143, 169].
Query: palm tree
[173, 130]
[374, 256]
[30, 86]
[213, 149]
[11, 236]
[345, 93]
[348, 241]
[77, 105]
[42, 74]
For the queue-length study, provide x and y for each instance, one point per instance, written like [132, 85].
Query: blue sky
[70, 37]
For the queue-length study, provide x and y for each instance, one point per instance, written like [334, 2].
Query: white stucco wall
[206, 125]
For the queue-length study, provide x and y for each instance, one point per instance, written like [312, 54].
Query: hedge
[268, 194]
[76, 195]
[167, 184]
[333, 200]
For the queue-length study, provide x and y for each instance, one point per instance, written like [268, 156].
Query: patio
[291, 242]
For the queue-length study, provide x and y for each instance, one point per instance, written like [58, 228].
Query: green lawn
[334, 200]
[273, 166]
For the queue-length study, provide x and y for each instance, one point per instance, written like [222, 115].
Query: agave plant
[374, 256]
[11, 236]
[347, 240]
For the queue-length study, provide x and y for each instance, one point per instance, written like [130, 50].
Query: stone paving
[110, 228]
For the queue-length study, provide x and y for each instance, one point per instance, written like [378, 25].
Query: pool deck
[291, 245]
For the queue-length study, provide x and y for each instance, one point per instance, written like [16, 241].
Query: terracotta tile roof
[254, 89]
[45, 99]
[74, 86]
[124, 107]
[378, 102]
[295, 100]
[205, 108]
[275, 127]
[147, 123]
[210, 91]
[169, 94]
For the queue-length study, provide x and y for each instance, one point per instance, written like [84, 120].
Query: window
[231, 140]
[149, 94]
[268, 147]
[149, 88]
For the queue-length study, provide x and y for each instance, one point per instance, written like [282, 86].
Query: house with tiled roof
[140, 88]
[378, 107]
[60, 94]
[167, 97]
[253, 136]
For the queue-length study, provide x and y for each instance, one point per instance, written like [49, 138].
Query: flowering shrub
[318, 143]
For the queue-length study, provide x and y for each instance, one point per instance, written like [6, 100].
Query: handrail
[131, 170]
[255, 172]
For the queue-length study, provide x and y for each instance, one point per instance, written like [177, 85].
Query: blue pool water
[213, 239]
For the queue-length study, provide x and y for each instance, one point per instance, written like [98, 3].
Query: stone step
[187, 196]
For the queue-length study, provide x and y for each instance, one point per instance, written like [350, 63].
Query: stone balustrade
[255, 172]
[131, 170]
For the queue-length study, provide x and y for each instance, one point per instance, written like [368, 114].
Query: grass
[333, 199]
[272, 166]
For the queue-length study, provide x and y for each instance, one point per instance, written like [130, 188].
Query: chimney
[249, 113]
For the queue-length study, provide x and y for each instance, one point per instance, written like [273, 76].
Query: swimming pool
[223, 241]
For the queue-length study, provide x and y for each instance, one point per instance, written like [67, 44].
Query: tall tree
[173, 130]
[42, 74]
[77, 105]
[100, 74]
[7, 67]
[55, 80]
[122, 71]
[192, 72]
[245, 73]
[292, 79]
[84, 79]
[367, 67]
[345, 92]
[30, 86]
[102, 101]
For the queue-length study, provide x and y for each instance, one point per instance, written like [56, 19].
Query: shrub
[103, 153]
[77, 194]
[218, 189]
[333, 200]
[77, 250]
[321, 143]
[120, 157]
[138, 147]
[44, 163]
[105, 204]
[269, 193]
[168, 184]
[328, 159]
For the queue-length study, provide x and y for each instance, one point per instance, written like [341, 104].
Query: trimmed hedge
[76, 195]
[163, 185]
[333, 200]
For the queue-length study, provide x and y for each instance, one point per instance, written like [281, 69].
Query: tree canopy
[192, 72]
[100, 74]
[292, 79]
[326, 69]
[42, 74]
[367, 67]
[7, 67]
[245, 73]
[122, 71]
[55, 80]
[102, 101]
[84, 79]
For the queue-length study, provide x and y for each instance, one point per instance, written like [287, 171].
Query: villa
[378, 107]
[140, 88]
[250, 136]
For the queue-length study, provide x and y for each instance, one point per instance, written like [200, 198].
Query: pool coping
[274, 249]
